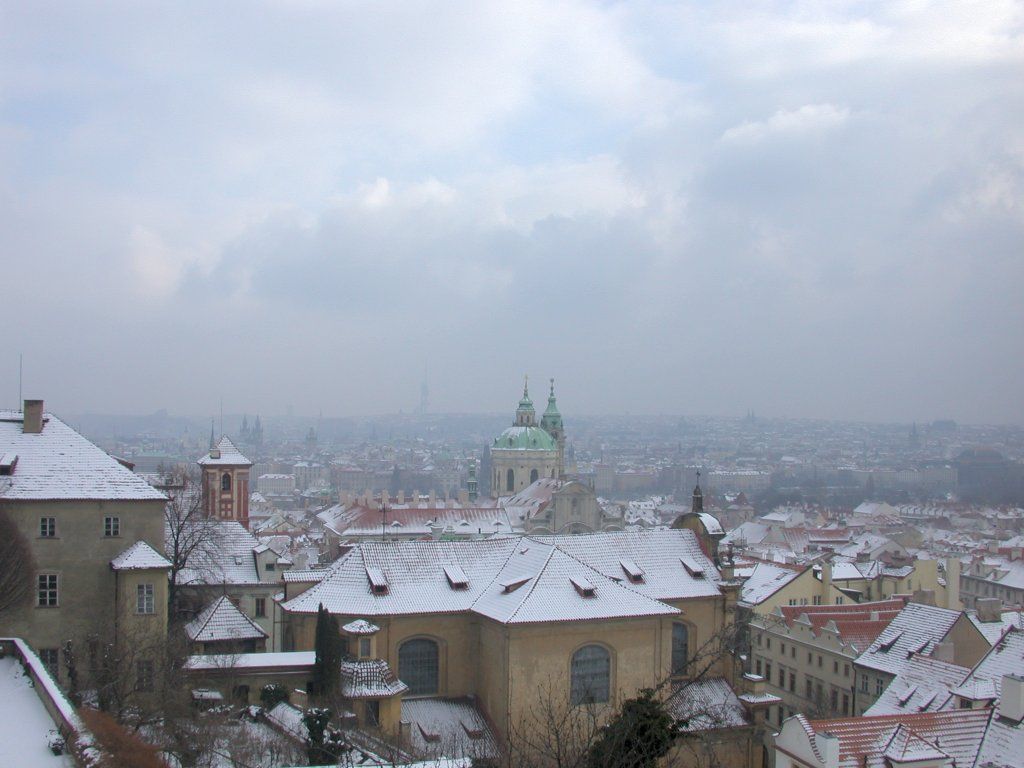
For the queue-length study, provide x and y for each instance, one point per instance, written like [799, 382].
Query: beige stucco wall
[80, 555]
[521, 462]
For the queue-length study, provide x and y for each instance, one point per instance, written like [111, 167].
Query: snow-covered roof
[516, 579]
[1004, 741]
[225, 556]
[875, 742]
[915, 629]
[224, 454]
[765, 581]
[922, 686]
[139, 556]
[58, 463]
[448, 726]
[706, 704]
[222, 620]
[230, 661]
[360, 627]
[24, 721]
[369, 679]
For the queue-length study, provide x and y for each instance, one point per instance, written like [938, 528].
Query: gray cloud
[671, 208]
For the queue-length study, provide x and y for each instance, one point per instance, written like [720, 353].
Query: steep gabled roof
[139, 556]
[225, 454]
[221, 620]
[57, 463]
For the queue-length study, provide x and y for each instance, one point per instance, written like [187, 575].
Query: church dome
[524, 439]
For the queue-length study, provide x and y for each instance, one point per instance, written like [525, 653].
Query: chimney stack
[953, 583]
[33, 421]
[989, 609]
[1011, 698]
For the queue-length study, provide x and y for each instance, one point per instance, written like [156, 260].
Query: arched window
[533, 475]
[590, 675]
[680, 648]
[225, 483]
[418, 666]
[510, 480]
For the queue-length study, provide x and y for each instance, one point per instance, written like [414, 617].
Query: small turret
[697, 504]
[526, 416]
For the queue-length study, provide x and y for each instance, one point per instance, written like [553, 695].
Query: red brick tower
[226, 482]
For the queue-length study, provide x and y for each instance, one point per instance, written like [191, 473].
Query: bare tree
[190, 535]
[17, 566]
[553, 733]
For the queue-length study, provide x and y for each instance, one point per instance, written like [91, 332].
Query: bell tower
[226, 482]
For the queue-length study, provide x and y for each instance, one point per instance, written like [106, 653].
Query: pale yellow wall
[803, 588]
[521, 462]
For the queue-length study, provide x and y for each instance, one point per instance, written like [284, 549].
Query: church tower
[551, 422]
[226, 482]
[523, 453]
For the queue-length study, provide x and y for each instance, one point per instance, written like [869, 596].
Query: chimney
[828, 746]
[989, 609]
[1011, 699]
[953, 583]
[924, 596]
[943, 652]
[33, 421]
[431, 499]
[464, 497]
[401, 497]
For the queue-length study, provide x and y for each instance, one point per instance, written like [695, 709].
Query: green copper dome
[524, 439]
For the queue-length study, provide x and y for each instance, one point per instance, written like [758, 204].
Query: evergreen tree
[637, 737]
[327, 664]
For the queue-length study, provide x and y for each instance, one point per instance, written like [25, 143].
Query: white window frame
[145, 599]
[48, 592]
[47, 527]
[111, 527]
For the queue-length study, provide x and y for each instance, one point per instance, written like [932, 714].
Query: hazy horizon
[807, 211]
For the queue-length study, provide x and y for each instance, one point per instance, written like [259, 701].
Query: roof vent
[457, 578]
[583, 586]
[513, 584]
[7, 463]
[378, 584]
[633, 571]
[692, 567]
[906, 695]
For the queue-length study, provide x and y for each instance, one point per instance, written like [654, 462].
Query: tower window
[510, 480]
[225, 483]
[534, 474]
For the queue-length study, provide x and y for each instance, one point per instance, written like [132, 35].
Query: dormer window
[692, 567]
[583, 586]
[457, 578]
[8, 461]
[378, 583]
[633, 571]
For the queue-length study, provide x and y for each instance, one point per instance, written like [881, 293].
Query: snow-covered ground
[24, 722]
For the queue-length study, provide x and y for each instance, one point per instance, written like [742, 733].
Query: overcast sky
[804, 209]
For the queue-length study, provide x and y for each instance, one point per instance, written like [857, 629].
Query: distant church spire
[526, 386]
[211, 433]
[697, 505]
